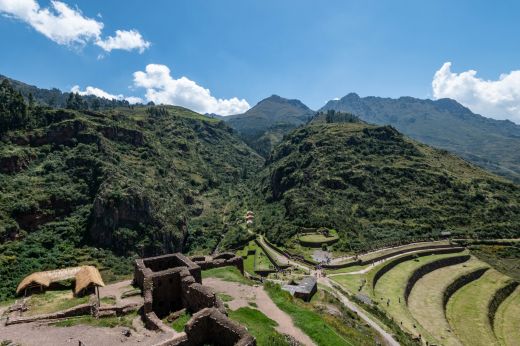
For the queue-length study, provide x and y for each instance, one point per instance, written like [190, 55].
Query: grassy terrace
[259, 325]
[53, 301]
[391, 287]
[227, 274]
[426, 299]
[507, 320]
[383, 252]
[323, 328]
[467, 309]
[258, 261]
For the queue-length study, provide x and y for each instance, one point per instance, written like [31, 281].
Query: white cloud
[89, 90]
[125, 40]
[68, 26]
[499, 99]
[161, 88]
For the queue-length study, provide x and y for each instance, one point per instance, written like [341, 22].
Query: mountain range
[446, 124]
[101, 186]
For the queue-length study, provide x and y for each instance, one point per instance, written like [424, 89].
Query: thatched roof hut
[85, 277]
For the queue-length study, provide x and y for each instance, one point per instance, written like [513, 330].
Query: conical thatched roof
[88, 275]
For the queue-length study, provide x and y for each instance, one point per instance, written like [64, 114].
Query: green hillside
[375, 186]
[446, 124]
[85, 187]
[264, 125]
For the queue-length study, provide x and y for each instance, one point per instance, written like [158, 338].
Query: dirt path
[389, 339]
[243, 294]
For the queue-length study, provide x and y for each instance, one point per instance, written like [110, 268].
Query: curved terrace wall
[386, 268]
[388, 255]
[461, 281]
[430, 267]
[500, 295]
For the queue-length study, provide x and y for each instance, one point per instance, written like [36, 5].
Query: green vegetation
[505, 259]
[110, 300]
[264, 125]
[426, 299]
[256, 260]
[467, 309]
[377, 187]
[259, 325]
[82, 187]
[179, 323]
[320, 326]
[225, 297]
[507, 319]
[53, 301]
[107, 322]
[445, 124]
[227, 274]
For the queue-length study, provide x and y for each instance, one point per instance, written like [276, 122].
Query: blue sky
[248, 50]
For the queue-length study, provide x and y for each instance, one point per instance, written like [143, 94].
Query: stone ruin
[173, 282]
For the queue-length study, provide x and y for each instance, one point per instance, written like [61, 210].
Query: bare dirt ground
[243, 294]
[46, 335]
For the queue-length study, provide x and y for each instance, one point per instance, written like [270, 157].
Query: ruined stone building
[172, 282]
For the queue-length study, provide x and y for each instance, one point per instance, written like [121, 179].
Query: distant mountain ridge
[446, 124]
[264, 125]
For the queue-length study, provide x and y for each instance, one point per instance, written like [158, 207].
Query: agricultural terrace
[426, 299]
[318, 238]
[507, 320]
[467, 309]
[255, 259]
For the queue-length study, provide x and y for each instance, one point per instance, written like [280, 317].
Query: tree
[13, 111]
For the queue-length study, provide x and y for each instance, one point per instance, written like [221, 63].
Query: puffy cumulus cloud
[68, 26]
[59, 23]
[125, 40]
[89, 90]
[499, 99]
[162, 88]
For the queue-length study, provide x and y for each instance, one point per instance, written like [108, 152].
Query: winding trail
[389, 339]
[244, 294]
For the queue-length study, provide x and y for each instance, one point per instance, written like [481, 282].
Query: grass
[106, 322]
[110, 300]
[309, 321]
[259, 325]
[225, 297]
[318, 237]
[426, 300]
[467, 309]
[507, 319]
[390, 288]
[227, 274]
[53, 301]
[180, 322]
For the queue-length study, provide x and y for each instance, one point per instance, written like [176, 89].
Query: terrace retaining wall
[411, 256]
[430, 267]
[460, 282]
[388, 255]
[500, 295]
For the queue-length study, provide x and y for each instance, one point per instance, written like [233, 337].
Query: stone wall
[386, 268]
[499, 296]
[80, 310]
[460, 282]
[168, 289]
[430, 267]
[225, 259]
[210, 326]
[383, 257]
